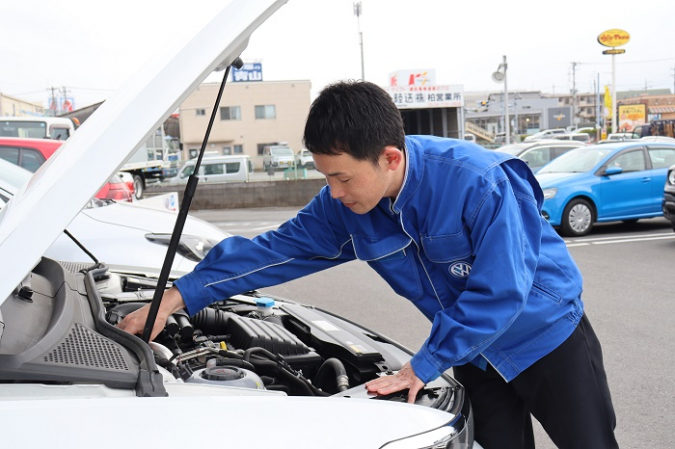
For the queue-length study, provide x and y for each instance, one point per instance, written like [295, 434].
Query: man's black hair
[354, 117]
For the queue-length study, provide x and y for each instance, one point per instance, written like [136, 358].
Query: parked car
[121, 234]
[304, 159]
[128, 179]
[619, 136]
[234, 168]
[32, 153]
[668, 204]
[601, 183]
[577, 137]
[546, 134]
[538, 153]
[278, 156]
[250, 361]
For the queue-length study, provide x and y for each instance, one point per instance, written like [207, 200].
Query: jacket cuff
[195, 296]
[424, 365]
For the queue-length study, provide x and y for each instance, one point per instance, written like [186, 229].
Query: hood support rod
[188, 195]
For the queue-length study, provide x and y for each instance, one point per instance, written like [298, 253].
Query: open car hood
[44, 207]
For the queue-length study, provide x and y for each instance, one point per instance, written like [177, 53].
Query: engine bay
[60, 328]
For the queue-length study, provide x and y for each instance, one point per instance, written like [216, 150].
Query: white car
[546, 134]
[122, 235]
[304, 159]
[247, 372]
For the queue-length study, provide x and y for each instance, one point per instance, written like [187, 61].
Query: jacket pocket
[447, 248]
[540, 290]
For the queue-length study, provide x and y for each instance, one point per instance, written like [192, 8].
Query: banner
[608, 103]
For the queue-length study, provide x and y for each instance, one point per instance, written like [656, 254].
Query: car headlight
[550, 193]
[448, 436]
[190, 246]
[671, 177]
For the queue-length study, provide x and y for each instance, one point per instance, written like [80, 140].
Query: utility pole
[574, 92]
[357, 13]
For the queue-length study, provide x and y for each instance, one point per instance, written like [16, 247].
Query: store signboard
[250, 71]
[419, 78]
[416, 97]
[631, 115]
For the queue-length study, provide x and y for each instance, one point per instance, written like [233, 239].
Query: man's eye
[343, 180]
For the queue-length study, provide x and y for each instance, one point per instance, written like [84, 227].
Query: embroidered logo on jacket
[460, 269]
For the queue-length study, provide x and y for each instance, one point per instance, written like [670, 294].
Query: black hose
[338, 368]
[284, 370]
[211, 321]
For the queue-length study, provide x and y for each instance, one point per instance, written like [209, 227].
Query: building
[529, 112]
[15, 107]
[250, 116]
[585, 108]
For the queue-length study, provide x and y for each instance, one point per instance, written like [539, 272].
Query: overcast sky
[92, 47]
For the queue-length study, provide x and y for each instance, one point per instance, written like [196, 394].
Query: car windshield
[11, 128]
[579, 160]
[284, 151]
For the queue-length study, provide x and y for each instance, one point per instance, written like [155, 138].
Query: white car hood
[216, 421]
[42, 209]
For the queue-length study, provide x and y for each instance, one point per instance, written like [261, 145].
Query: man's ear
[393, 157]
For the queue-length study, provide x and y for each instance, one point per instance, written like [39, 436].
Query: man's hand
[134, 323]
[405, 378]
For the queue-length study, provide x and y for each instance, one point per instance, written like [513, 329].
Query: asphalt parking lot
[628, 272]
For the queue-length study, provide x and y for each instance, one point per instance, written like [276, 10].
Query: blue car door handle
[646, 179]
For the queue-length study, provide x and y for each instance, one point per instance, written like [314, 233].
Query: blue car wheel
[577, 218]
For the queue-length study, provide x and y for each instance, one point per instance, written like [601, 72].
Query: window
[187, 171]
[60, 133]
[261, 147]
[227, 150]
[200, 111]
[213, 169]
[662, 157]
[631, 161]
[266, 112]
[10, 154]
[232, 167]
[31, 159]
[230, 113]
[239, 149]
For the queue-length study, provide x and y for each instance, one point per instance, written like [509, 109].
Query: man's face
[359, 185]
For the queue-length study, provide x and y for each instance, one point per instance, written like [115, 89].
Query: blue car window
[662, 157]
[631, 161]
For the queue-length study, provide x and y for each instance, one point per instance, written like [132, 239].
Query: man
[455, 229]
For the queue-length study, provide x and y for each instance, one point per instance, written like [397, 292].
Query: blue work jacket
[464, 240]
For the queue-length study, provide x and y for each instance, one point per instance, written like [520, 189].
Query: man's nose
[335, 191]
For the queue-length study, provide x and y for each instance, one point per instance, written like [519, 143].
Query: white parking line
[612, 240]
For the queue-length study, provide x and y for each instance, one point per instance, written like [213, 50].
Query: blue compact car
[601, 183]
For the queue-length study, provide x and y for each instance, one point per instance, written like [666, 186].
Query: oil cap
[223, 373]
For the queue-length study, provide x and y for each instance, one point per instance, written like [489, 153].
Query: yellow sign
[614, 38]
[631, 115]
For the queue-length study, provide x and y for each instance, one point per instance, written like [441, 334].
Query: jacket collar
[414, 172]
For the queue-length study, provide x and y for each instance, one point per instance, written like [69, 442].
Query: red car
[32, 153]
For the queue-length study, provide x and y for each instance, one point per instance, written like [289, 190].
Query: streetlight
[357, 13]
[498, 77]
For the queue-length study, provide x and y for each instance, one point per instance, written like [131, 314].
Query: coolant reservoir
[230, 376]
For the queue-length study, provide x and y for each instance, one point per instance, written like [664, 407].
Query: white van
[234, 168]
[56, 128]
